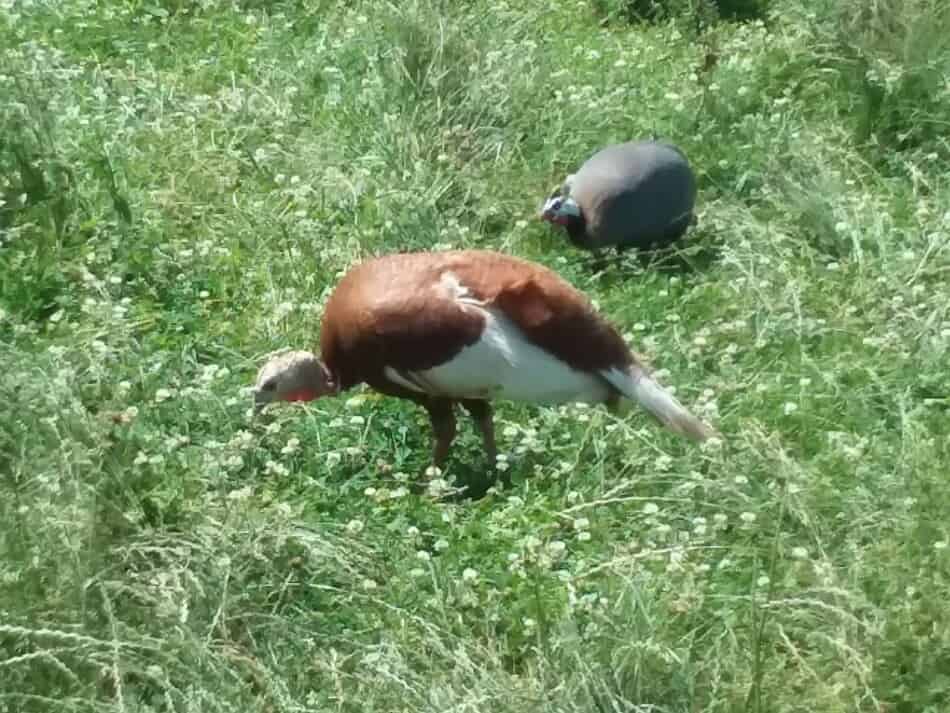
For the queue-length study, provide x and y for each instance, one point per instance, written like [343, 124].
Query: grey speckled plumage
[638, 194]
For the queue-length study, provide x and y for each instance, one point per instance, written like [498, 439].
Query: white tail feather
[637, 385]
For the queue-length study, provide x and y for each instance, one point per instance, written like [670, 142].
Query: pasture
[183, 182]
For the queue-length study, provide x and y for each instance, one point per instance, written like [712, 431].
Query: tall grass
[183, 183]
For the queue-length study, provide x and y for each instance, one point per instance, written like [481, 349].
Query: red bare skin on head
[302, 395]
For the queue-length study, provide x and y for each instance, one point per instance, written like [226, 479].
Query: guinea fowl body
[467, 327]
[638, 194]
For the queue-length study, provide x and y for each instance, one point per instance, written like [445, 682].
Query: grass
[182, 183]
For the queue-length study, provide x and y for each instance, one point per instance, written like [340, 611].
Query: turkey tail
[637, 385]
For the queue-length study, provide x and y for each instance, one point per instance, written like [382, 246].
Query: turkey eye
[269, 385]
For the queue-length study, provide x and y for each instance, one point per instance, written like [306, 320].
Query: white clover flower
[441, 545]
[293, 445]
[354, 527]
[438, 486]
[423, 555]
[242, 439]
[581, 523]
[283, 309]
[651, 509]
[241, 493]
[162, 395]
[274, 468]
[748, 517]
[469, 575]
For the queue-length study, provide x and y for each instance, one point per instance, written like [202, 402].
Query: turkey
[638, 194]
[466, 327]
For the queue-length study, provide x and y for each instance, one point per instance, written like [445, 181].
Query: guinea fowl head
[561, 210]
[292, 376]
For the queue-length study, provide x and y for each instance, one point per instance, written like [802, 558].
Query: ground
[182, 183]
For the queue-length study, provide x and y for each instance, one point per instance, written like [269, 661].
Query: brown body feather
[416, 323]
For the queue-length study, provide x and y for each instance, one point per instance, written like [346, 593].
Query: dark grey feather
[636, 194]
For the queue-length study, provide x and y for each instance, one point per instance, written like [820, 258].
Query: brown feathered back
[396, 311]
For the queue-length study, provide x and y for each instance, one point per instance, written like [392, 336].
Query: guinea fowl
[638, 194]
[467, 326]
